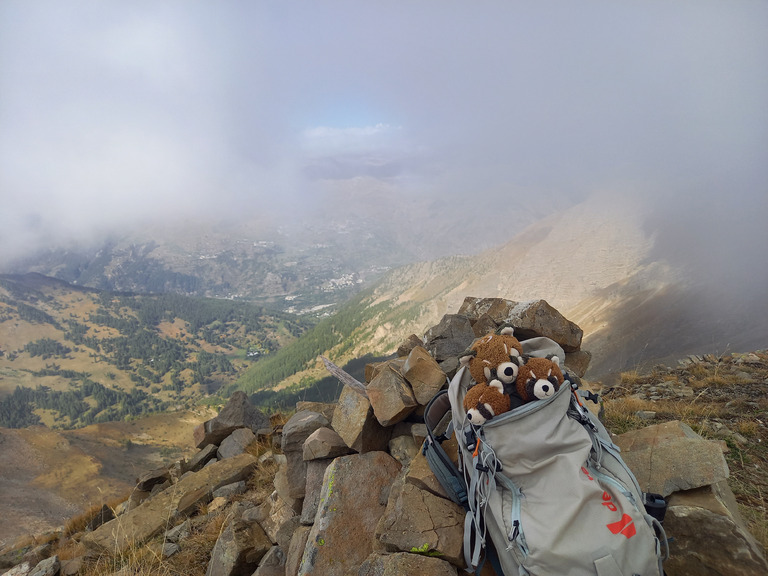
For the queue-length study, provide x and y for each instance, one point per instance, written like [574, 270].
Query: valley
[105, 368]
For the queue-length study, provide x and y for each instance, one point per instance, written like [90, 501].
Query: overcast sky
[115, 112]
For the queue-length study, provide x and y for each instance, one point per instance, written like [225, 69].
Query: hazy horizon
[115, 115]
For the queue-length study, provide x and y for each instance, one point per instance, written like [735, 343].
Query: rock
[296, 550]
[72, 566]
[409, 344]
[578, 362]
[419, 433]
[324, 408]
[483, 325]
[22, 569]
[239, 548]
[149, 480]
[151, 516]
[497, 310]
[391, 397]
[424, 375]
[315, 474]
[179, 532]
[354, 421]
[282, 486]
[48, 567]
[217, 504]
[403, 449]
[324, 443]
[420, 475]
[295, 432]
[354, 496]
[170, 548]
[417, 520]
[271, 515]
[238, 413]
[708, 537]
[670, 457]
[405, 563]
[450, 337]
[235, 443]
[104, 515]
[230, 490]
[285, 532]
[530, 319]
[273, 563]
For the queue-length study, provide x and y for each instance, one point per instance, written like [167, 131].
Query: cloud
[117, 113]
[380, 151]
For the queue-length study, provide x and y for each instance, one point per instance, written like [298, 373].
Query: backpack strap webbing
[438, 430]
[439, 462]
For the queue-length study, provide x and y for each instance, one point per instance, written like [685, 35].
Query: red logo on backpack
[624, 526]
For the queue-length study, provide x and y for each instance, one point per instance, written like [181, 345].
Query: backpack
[545, 489]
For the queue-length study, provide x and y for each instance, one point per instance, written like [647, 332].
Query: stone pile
[353, 494]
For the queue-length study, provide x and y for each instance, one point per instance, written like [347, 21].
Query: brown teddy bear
[493, 362]
[539, 378]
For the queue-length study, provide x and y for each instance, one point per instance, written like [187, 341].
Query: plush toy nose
[545, 388]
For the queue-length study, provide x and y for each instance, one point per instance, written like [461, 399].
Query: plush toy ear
[496, 384]
[467, 356]
[555, 360]
[511, 351]
[507, 330]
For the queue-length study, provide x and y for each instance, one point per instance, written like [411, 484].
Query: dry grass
[78, 522]
[729, 404]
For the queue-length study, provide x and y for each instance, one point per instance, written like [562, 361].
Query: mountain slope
[595, 262]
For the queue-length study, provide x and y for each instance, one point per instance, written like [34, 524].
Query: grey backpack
[545, 489]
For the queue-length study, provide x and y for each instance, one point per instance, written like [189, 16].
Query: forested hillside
[71, 356]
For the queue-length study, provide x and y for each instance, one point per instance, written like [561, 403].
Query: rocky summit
[344, 489]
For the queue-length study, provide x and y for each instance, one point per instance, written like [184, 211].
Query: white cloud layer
[114, 113]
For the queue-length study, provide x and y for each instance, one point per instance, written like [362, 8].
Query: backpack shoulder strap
[437, 418]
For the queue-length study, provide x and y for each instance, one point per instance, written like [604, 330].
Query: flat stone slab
[152, 515]
[670, 457]
[354, 496]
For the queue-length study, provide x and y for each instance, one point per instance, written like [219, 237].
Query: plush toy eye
[507, 372]
[553, 380]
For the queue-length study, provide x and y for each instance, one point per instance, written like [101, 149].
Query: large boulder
[402, 563]
[238, 413]
[354, 496]
[151, 516]
[239, 547]
[416, 519]
[707, 535]
[530, 319]
[295, 432]
[391, 397]
[669, 457]
[450, 337]
[355, 422]
[236, 443]
[423, 374]
[324, 443]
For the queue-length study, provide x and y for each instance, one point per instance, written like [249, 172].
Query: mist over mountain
[293, 157]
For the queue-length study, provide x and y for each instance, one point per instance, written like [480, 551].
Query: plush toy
[484, 401]
[496, 355]
[493, 362]
[539, 378]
